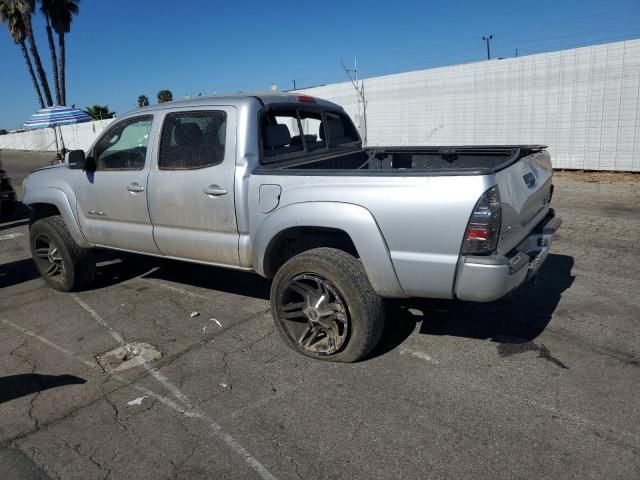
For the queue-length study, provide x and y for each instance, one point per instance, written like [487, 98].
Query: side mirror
[76, 159]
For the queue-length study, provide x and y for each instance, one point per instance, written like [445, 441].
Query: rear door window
[192, 140]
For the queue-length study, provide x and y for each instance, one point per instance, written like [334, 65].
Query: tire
[63, 264]
[324, 307]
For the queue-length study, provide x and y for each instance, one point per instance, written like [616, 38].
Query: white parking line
[49, 343]
[9, 236]
[190, 411]
[418, 354]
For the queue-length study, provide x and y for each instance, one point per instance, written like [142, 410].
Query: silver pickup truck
[281, 185]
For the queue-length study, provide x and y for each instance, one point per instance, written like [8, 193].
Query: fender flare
[353, 219]
[57, 197]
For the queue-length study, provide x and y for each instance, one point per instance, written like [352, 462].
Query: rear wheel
[63, 264]
[324, 306]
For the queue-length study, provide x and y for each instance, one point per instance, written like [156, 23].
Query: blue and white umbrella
[56, 116]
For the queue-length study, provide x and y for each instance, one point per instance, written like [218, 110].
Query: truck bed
[436, 160]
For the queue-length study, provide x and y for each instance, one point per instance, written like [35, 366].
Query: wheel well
[43, 210]
[294, 241]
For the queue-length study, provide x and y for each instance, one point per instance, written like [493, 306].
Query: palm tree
[13, 18]
[47, 8]
[165, 96]
[99, 112]
[61, 13]
[26, 8]
[143, 101]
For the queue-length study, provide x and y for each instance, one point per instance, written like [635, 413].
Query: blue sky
[118, 49]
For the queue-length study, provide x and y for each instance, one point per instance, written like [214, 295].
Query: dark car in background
[7, 195]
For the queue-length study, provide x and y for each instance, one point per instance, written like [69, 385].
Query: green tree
[99, 112]
[165, 96]
[143, 101]
[60, 13]
[26, 8]
[10, 15]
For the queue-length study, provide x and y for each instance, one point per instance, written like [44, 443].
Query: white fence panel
[76, 137]
[583, 103]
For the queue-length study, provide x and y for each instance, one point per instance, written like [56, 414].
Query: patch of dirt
[598, 177]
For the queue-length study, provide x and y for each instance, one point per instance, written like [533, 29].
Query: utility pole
[487, 39]
[294, 83]
[516, 52]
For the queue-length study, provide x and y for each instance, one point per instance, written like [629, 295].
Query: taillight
[483, 230]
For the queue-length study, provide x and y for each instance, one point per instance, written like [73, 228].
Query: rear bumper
[484, 279]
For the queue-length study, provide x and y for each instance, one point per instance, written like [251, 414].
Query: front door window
[124, 146]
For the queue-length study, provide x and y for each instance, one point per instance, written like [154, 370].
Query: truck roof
[266, 98]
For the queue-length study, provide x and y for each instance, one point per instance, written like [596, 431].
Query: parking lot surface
[544, 383]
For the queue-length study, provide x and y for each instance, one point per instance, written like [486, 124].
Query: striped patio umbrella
[57, 116]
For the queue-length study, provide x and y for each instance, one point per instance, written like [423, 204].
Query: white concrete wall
[583, 103]
[76, 137]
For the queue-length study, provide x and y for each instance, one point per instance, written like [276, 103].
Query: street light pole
[487, 39]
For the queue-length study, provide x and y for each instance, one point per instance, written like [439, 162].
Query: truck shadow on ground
[212, 278]
[19, 218]
[515, 320]
[110, 271]
[16, 272]
[16, 386]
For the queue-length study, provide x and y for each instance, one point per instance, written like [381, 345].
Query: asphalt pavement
[544, 383]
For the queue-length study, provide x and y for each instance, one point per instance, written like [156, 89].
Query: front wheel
[63, 264]
[324, 306]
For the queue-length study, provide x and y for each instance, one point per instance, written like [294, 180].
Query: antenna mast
[362, 119]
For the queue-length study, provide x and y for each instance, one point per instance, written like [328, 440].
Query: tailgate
[525, 192]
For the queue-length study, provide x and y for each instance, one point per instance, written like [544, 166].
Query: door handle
[215, 191]
[99, 213]
[135, 188]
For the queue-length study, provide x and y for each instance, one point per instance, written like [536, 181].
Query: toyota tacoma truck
[281, 185]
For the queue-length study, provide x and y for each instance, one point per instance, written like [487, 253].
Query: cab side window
[292, 133]
[192, 140]
[340, 130]
[124, 146]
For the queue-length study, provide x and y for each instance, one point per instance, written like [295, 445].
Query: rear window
[292, 133]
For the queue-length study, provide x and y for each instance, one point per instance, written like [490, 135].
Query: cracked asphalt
[544, 383]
